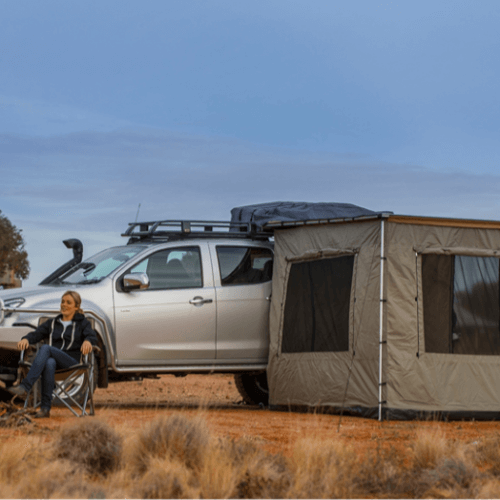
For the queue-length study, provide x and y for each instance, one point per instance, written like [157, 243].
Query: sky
[174, 109]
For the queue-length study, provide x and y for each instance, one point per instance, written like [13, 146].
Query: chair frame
[64, 379]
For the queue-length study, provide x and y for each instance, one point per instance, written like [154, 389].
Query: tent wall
[415, 378]
[432, 381]
[321, 378]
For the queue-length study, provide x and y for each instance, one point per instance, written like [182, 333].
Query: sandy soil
[134, 403]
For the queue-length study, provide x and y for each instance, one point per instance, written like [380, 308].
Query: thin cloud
[95, 172]
[89, 185]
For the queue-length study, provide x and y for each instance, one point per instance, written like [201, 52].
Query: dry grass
[89, 444]
[174, 438]
[178, 457]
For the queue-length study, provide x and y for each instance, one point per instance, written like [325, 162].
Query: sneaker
[43, 413]
[18, 390]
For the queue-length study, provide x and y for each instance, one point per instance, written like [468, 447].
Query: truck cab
[179, 297]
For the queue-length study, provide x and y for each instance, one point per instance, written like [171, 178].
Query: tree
[13, 256]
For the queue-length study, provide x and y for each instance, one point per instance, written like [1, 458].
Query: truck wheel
[253, 387]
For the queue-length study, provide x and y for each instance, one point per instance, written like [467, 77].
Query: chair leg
[89, 394]
[33, 397]
[62, 387]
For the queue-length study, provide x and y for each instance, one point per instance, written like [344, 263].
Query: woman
[69, 335]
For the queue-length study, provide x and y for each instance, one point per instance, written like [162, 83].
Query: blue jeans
[45, 364]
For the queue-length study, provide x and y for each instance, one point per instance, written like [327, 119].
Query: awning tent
[389, 316]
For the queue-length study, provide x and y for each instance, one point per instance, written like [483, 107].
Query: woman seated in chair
[69, 335]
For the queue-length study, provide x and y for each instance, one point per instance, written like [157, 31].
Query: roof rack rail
[181, 229]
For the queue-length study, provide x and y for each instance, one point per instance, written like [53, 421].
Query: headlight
[13, 304]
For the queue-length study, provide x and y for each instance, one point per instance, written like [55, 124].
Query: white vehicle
[180, 297]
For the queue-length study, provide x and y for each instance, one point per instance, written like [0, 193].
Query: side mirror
[135, 281]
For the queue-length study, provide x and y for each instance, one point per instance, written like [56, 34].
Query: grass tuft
[258, 474]
[166, 479]
[429, 449]
[90, 444]
[174, 437]
[381, 472]
[323, 469]
[488, 452]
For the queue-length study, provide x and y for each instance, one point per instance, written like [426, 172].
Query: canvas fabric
[321, 378]
[414, 380]
[428, 381]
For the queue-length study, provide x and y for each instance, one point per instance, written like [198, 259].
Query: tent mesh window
[461, 304]
[318, 296]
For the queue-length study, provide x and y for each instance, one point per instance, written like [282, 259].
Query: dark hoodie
[70, 340]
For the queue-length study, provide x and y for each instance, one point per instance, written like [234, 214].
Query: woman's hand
[86, 347]
[23, 344]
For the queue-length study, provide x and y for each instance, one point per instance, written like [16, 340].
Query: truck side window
[172, 268]
[244, 265]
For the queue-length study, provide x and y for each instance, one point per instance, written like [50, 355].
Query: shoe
[18, 390]
[43, 413]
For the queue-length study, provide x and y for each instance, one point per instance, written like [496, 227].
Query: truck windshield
[99, 266]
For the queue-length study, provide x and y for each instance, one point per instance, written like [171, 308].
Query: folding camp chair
[66, 379]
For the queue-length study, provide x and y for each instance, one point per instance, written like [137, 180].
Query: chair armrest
[22, 355]
[32, 349]
[95, 350]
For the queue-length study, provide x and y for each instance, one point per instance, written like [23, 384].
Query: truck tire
[253, 387]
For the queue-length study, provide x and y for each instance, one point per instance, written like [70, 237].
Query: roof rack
[183, 229]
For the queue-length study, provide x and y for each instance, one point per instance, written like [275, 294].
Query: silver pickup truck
[180, 297]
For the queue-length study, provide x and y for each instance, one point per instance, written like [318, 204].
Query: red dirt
[134, 403]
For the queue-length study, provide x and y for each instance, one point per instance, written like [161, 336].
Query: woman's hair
[76, 297]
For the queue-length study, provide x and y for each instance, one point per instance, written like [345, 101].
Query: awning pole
[381, 319]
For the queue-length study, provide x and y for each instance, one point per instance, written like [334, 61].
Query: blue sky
[191, 108]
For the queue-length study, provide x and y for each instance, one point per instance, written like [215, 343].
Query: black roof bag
[296, 211]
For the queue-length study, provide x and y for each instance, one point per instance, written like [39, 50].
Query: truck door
[174, 319]
[243, 287]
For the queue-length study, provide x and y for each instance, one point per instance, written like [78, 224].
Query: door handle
[198, 301]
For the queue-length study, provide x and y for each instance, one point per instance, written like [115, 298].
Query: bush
[257, 473]
[175, 437]
[429, 449]
[165, 479]
[488, 452]
[90, 444]
[323, 469]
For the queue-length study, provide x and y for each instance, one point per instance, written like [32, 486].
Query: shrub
[90, 444]
[381, 472]
[451, 479]
[174, 437]
[488, 452]
[429, 449]
[165, 479]
[257, 473]
[323, 469]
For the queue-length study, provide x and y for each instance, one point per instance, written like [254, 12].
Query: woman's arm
[88, 333]
[42, 332]
[90, 337]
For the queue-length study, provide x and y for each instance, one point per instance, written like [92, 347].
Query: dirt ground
[134, 403]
